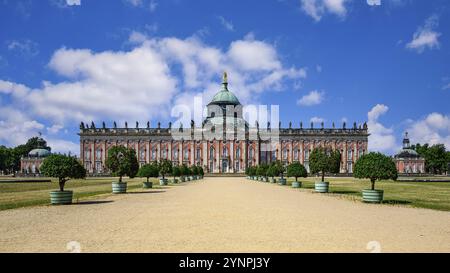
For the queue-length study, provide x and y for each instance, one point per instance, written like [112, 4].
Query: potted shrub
[255, 173]
[64, 168]
[175, 172]
[194, 172]
[147, 171]
[296, 170]
[201, 172]
[122, 161]
[321, 162]
[262, 172]
[188, 173]
[272, 172]
[252, 172]
[183, 172]
[249, 170]
[165, 168]
[247, 173]
[279, 171]
[374, 166]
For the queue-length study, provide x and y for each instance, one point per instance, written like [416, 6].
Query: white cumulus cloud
[312, 98]
[426, 36]
[73, 2]
[433, 129]
[318, 8]
[144, 82]
[381, 139]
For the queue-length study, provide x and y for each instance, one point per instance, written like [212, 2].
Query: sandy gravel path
[224, 215]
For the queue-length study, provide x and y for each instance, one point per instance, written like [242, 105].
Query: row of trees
[10, 157]
[122, 161]
[436, 157]
[373, 166]
[165, 168]
[321, 161]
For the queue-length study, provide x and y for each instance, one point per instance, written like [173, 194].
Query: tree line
[436, 157]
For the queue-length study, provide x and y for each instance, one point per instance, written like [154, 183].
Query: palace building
[223, 143]
[409, 161]
[31, 163]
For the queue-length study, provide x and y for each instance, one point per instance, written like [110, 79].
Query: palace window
[225, 152]
[142, 155]
[198, 153]
[238, 152]
[154, 154]
[250, 153]
[296, 154]
[98, 167]
[87, 154]
[98, 154]
[360, 153]
[175, 154]
[274, 155]
[186, 153]
[350, 155]
[211, 153]
[306, 154]
[285, 154]
[350, 167]
[164, 153]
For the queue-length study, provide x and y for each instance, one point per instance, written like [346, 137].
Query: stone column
[170, 151]
[147, 153]
[158, 151]
[217, 159]
[192, 152]
[104, 154]
[205, 153]
[231, 163]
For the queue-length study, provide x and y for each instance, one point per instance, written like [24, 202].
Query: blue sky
[66, 61]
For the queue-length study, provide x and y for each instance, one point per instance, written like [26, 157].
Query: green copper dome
[225, 96]
[39, 153]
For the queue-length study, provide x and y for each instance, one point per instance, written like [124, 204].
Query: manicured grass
[431, 195]
[23, 194]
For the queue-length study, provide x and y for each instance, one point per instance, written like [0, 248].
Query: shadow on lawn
[143, 192]
[93, 202]
[344, 192]
[396, 202]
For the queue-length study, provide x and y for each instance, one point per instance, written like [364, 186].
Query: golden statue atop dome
[225, 77]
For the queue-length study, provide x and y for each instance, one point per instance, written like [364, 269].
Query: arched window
[296, 154]
[154, 153]
[211, 153]
[175, 154]
[250, 153]
[164, 153]
[198, 153]
[98, 154]
[285, 154]
[225, 151]
[238, 152]
[142, 155]
[307, 154]
[186, 153]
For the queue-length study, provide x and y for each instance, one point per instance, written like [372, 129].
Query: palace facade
[223, 143]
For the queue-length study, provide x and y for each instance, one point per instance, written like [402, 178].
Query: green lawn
[22, 194]
[432, 195]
